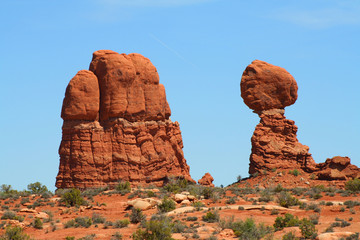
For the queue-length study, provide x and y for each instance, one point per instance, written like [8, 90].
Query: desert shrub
[249, 230]
[121, 223]
[14, 233]
[70, 238]
[294, 172]
[83, 222]
[286, 200]
[313, 206]
[123, 187]
[289, 236]
[136, 215]
[207, 192]
[211, 217]
[24, 200]
[274, 211]
[198, 205]
[150, 194]
[353, 185]
[329, 203]
[351, 204]
[69, 224]
[72, 198]
[287, 221]
[12, 216]
[191, 219]
[307, 228]
[116, 236]
[175, 185]
[155, 229]
[47, 195]
[97, 218]
[354, 236]
[265, 196]
[278, 188]
[91, 192]
[37, 188]
[166, 205]
[88, 237]
[231, 200]
[178, 227]
[37, 223]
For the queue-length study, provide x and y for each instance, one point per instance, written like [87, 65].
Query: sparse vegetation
[166, 205]
[136, 215]
[353, 185]
[72, 198]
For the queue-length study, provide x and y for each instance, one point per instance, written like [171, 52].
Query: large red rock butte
[268, 89]
[117, 126]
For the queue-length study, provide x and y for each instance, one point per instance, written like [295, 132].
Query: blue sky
[200, 48]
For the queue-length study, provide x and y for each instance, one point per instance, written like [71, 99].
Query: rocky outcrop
[117, 126]
[337, 168]
[206, 180]
[268, 89]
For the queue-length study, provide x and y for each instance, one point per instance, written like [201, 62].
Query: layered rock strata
[268, 89]
[117, 126]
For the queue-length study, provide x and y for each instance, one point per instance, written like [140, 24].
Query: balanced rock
[268, 89]
[265, 86]
[117, 126]
[206, 180]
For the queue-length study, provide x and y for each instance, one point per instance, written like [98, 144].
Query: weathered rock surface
[337, 168]
[265, 86]
[275, 145]
[268, 89]
[117, 126]
[206, 180]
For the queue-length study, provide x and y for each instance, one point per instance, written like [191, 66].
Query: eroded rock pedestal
[268, 89]
[117, 126]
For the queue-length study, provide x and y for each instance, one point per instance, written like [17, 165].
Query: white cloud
[152, 3]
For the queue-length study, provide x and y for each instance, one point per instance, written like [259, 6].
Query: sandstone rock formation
[117, 126]
[337, 168]
[206, 180]
[268, 89]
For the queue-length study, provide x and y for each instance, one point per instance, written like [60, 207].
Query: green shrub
[207, 192]
[211, 217]
[286, 200]
[69, 238]
[37, 223]
[83, 222]
[136, 215]
[191, 219]
[123, 187]
[287, 221]
[14, 233]
[295, 172]
[290, 236]
[175, 185]
[73, 198]
[353, 185]
[121, 223]
[116, 236]
[37, 188]
[12, 216]
[155, 229]
[97, 218]
[307, 228]
[166, 205]
[69, 224]
[249, 230]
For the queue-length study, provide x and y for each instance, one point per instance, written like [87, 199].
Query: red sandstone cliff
[117, 126]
